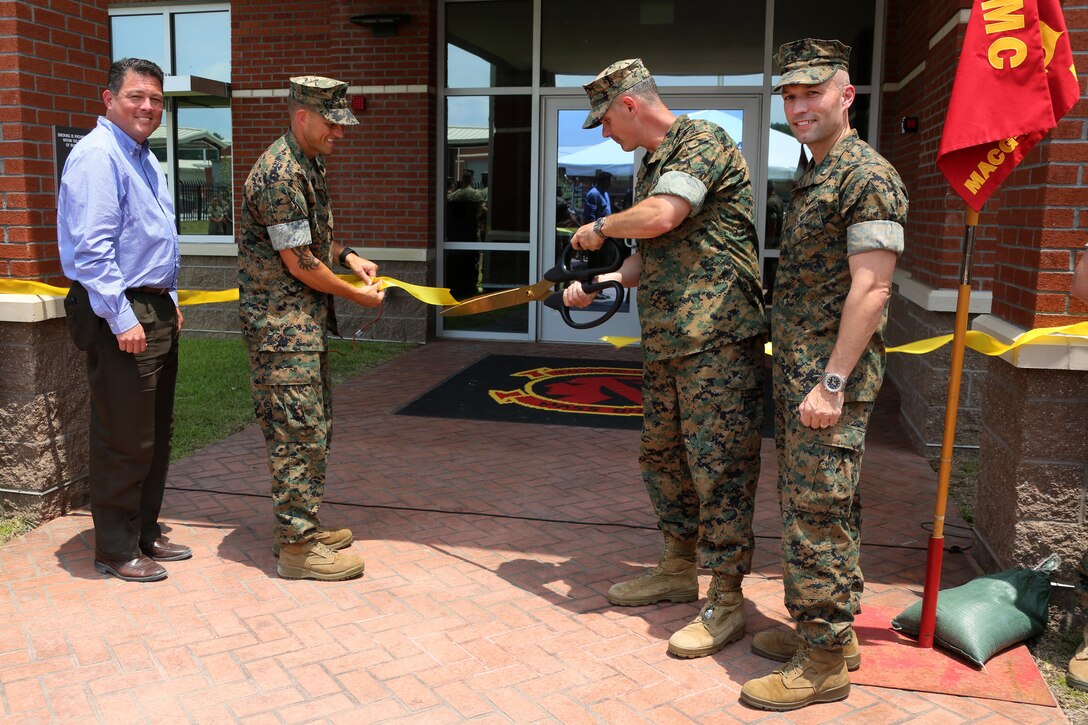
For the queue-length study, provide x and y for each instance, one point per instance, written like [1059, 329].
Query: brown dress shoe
[140, 569]
[163, 550]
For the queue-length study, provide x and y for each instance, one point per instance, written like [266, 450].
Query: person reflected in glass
[776, 212]
[219, 217]
[597, 202]
[564, 215]
[465, 206]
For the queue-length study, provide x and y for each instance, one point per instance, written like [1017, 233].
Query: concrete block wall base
[1034, 469]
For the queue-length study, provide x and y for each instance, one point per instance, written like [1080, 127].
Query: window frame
[538, 92]
[183, 86]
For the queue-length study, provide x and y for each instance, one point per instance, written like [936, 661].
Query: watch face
[833, 383]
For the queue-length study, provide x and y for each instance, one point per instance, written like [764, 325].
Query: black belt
[150, 290]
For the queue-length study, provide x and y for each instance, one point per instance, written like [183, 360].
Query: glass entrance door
[583, 172]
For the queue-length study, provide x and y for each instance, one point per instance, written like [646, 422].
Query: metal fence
[195, 199]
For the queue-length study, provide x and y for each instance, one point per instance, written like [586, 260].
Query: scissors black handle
[569, 271]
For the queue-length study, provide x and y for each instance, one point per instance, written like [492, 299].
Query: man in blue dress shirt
[597, 201]
[119, 246]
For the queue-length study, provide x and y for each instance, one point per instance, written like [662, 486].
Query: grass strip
[213, 398]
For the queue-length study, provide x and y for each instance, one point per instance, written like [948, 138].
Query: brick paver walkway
[488, 549]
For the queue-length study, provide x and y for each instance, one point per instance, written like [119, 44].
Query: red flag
[1014, 81]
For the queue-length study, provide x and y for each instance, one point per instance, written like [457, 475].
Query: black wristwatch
[344, 256]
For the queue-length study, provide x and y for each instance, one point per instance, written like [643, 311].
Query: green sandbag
[987, 614]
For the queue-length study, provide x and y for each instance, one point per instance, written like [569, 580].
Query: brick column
[52, 69]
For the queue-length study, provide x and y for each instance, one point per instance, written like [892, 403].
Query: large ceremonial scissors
[567, 270]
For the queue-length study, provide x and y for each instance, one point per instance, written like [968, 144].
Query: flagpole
[959, 339]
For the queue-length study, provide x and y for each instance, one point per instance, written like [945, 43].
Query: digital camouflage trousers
[293, 404]
[818, 474]
[699, 455]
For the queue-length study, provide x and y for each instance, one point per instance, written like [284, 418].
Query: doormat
[549, 390]
[530, 389]
[889, 659]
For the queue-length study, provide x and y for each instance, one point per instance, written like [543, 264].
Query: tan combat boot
[314, 560]
[811, 676]
[781, 644]
[1077, 674]
[672, 580]
[721, 621]
[335, 539]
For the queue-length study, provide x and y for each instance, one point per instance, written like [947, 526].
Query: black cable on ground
[418, 509]
[954, 548]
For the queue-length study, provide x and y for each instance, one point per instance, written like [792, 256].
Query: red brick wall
[1039, 218]
[1028, 232]
[382, 175]
[1039, 268]
[53, 64]
[935, 223]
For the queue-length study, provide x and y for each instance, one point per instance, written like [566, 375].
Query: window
[513, 72]
[488, 162]
[847, 20]
[489, 45]
[202, 44]
[487, 158]
[680, 41]
[191, 43]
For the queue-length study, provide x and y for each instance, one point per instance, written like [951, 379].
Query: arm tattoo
[306, 261]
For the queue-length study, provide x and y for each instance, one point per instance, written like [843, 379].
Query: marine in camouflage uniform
[852, 202]
[284, 323]
[849, 201]
[703, 330]
[284, 319]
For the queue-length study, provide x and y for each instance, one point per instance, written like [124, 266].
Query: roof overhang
[195, 86]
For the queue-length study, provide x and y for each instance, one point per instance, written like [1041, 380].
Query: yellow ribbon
[27, 287]
[205, 297]
[430, 295]
[975, 340]
[618, 342]
[987, 345]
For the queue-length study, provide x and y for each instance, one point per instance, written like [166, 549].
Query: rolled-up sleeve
[685, 186]
[879, 234]
[874, 204]
[697, 166]
[290, 235]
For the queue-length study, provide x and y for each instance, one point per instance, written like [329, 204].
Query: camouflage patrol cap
[810, 61]
[325, 96]
[609, 83]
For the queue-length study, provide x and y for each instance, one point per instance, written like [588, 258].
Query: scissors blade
[499, 300]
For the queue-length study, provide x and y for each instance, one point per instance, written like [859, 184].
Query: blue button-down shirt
[115, 222]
